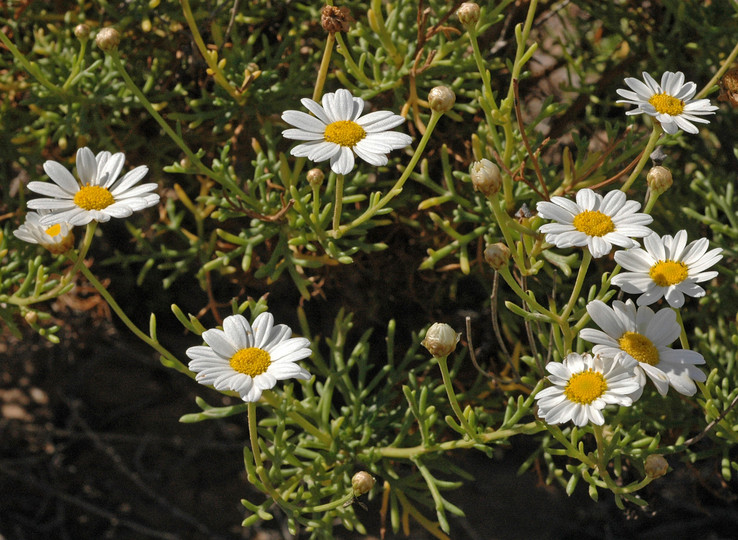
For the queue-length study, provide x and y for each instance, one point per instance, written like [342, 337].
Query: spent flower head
[57, 238]
[670, 102]
[594, 221]
[668, 267]
[99, 194]
[583, 385]
[249, 358]
[338, 131]
[644, 335]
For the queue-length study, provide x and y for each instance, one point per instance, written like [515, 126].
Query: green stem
[339, 203]
[30, 67]
[203, 169]
[443, 364]
[324, 63]
[532, 303]
[652, 140]
[482, 438]
[397, 188]
[683, 339]
[343, 501]
[727, 63]
[158, 347]
[210, 57]
[77, 64]
[563, 318]
[272, 399]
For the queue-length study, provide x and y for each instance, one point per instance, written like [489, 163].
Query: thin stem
[397, 188]
[443, 364]
[158, 347]
[339, 203]
[324, 63]
[645, 155]
[720, 72]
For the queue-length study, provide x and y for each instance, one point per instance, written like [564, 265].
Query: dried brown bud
[315, 177]
[656, 466]
[440, 340]
[82, 31]
[336, 19]
[108, 39]
[729, 87]
[468, 14]
[497, 255]
[362, 482]
[659, 179]
[486, 177]
[441, 99]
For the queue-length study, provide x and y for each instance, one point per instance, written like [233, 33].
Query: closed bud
[497, 255]
[486, 177]
[315, 177]
[441, 99]
[468, 14]
[82, 31]
[656, 466]
[659, 179]
[362, 482]
[440, 340]
[31, 317]
[108, 39]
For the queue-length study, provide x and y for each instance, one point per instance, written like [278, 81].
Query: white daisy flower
[594, 221]
[583, 385]
[249, 358]
[57, 238]
[668, 267]
[338, 131]
[644, 335]
[670, 102]
[98, 196]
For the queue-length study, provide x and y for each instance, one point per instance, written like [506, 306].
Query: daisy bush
[370, 238]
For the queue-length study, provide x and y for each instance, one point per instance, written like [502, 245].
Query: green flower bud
[441, 99]
[440, 340]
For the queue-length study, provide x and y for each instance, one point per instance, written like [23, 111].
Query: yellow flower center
[639, 347]
[666, 104]
[54, 230]
[585, 387]
[665, 273]
[593, 223]
[93, 198]
[344, 132]
[252, 361]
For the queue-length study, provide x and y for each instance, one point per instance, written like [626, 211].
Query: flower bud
[315, 177]
[440, 340]
[468, 14]
[441, 99]
[659, 179]
[362, 482]
[31, 317]
[336, 19]
[656, 466]
[497, 255]
[486, 177]
[82, 31]
[108, 39]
